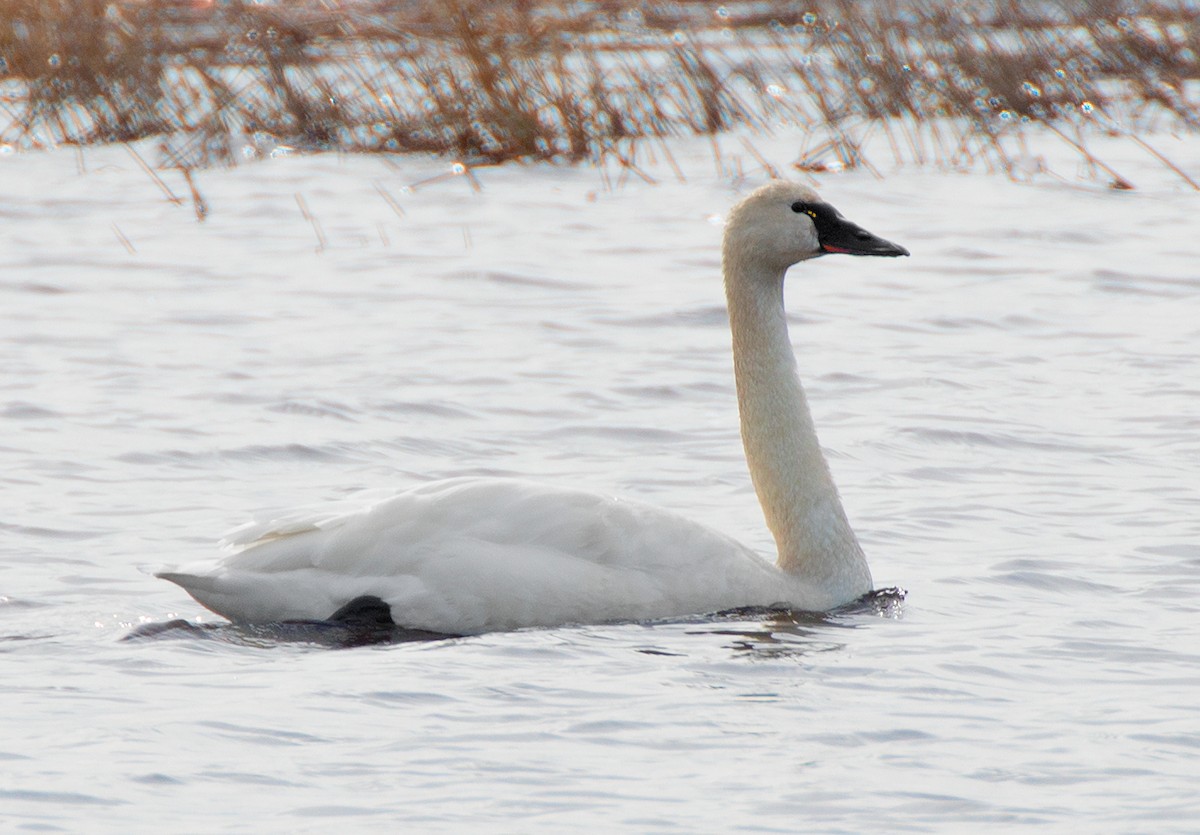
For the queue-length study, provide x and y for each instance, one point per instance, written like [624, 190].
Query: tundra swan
[471, 555]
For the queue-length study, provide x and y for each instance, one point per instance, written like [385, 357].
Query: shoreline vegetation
[957, 85]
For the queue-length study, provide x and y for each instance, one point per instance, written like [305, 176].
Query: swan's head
[784, 223]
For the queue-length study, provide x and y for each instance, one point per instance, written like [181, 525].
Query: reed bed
[955, 84]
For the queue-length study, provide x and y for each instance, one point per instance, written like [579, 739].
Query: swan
[473, 555]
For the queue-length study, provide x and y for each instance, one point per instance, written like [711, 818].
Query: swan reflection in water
[759, 630]
[775, 633]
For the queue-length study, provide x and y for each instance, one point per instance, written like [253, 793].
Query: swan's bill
[835, 234]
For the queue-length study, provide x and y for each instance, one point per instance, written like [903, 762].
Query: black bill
[837, 235]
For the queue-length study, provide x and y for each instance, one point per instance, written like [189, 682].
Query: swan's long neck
[789, 472]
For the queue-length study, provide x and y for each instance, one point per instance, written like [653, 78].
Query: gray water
[1011, 415]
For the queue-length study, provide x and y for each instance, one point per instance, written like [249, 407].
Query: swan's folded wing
[474, 555]
[290, 524]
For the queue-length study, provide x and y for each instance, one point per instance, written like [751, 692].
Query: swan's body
[474, 555]
[448, 557]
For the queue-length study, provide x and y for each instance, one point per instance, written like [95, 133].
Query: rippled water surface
[1011, 414]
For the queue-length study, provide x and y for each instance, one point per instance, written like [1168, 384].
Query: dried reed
[950, 83]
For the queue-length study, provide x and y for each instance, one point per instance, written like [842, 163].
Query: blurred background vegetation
[956, 84]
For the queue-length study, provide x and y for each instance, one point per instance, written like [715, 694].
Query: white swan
[472, 555]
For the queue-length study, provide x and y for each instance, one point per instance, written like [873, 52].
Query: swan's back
[474, 555]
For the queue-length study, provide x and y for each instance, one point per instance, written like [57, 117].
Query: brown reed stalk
[951, 83]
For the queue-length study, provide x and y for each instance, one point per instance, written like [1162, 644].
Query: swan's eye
[800, 208]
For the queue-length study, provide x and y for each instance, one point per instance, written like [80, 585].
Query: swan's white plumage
[473, 555]
[479, 554]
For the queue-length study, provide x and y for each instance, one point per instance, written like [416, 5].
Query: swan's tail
[189, 582]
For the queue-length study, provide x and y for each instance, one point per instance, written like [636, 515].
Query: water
[1010, 414]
